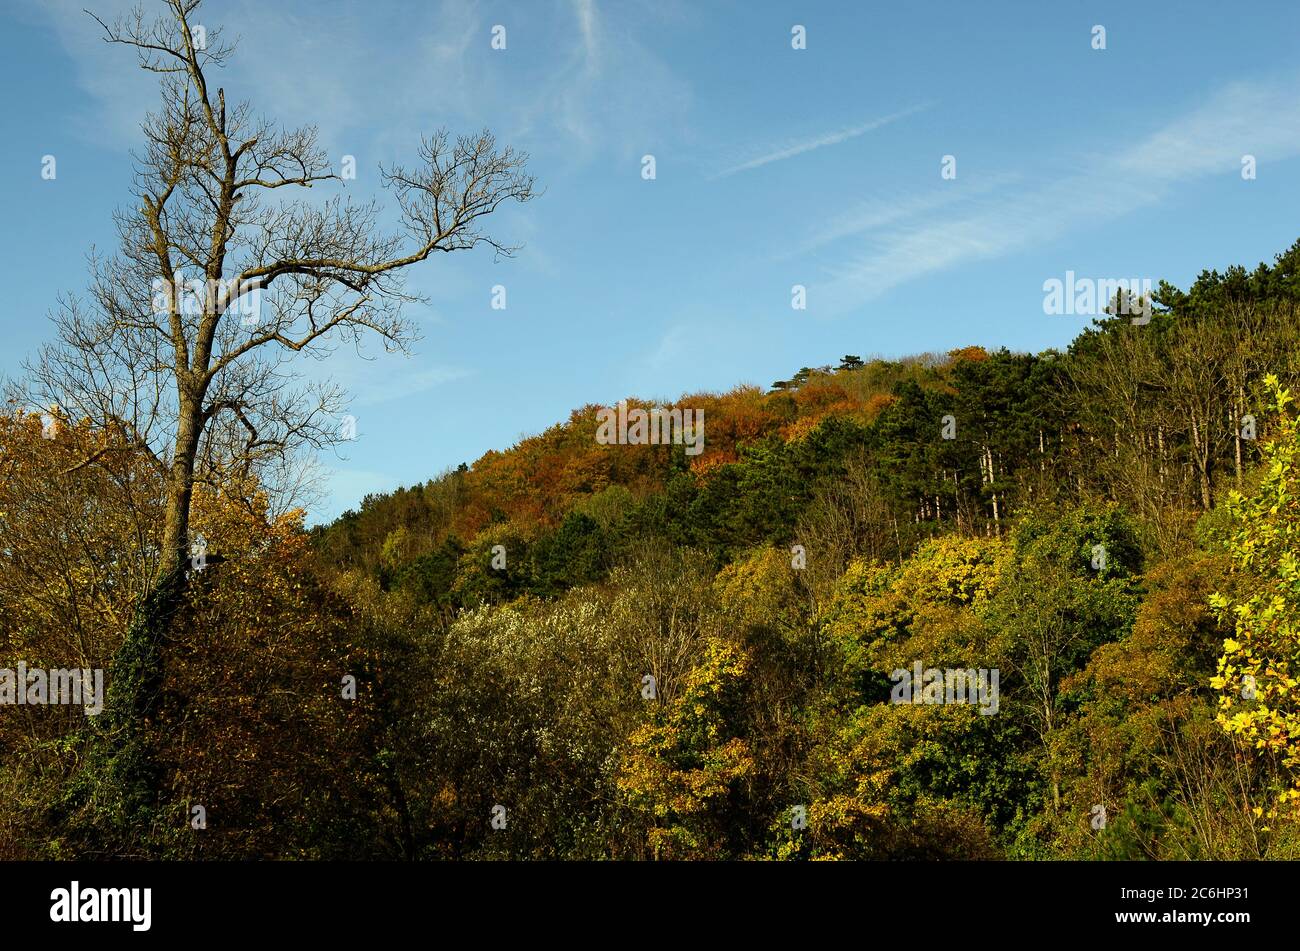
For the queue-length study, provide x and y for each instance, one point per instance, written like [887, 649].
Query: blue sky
[774, 167]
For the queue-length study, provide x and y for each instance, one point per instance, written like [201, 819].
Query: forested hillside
[576, 650]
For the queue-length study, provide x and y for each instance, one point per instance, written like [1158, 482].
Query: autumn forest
[972, 604]
[574, 650]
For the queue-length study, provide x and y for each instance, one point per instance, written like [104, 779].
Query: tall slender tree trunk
[1160, 444]
[1201, 454]
[997, 526]
[127, 781]
[180, 491]
[1240, 406]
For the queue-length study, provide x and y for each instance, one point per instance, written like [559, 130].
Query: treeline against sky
[577, 650]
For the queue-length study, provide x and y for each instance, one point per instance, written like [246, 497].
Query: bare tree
[848, 518]
[187, 342]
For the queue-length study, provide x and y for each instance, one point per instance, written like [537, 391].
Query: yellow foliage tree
[681, 769]
[1259, 671]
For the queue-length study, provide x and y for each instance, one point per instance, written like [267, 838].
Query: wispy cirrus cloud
[1260, 118]
[366, 77]
[799, 147]
[611, 93]
[399, 379]
[876, 213]
[585, 11]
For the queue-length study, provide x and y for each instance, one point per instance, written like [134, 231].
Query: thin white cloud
[1259, 118]
[398, 378]
[611, 94]
[676, 344]
[791, 149]
[585, 10]
[876, 213]
[119, 92]
[371, 79]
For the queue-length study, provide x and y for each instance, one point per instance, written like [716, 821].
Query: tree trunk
[1201, 454]
[1240, 406]
[126, 781]
[1160, 443]
[180, 490]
